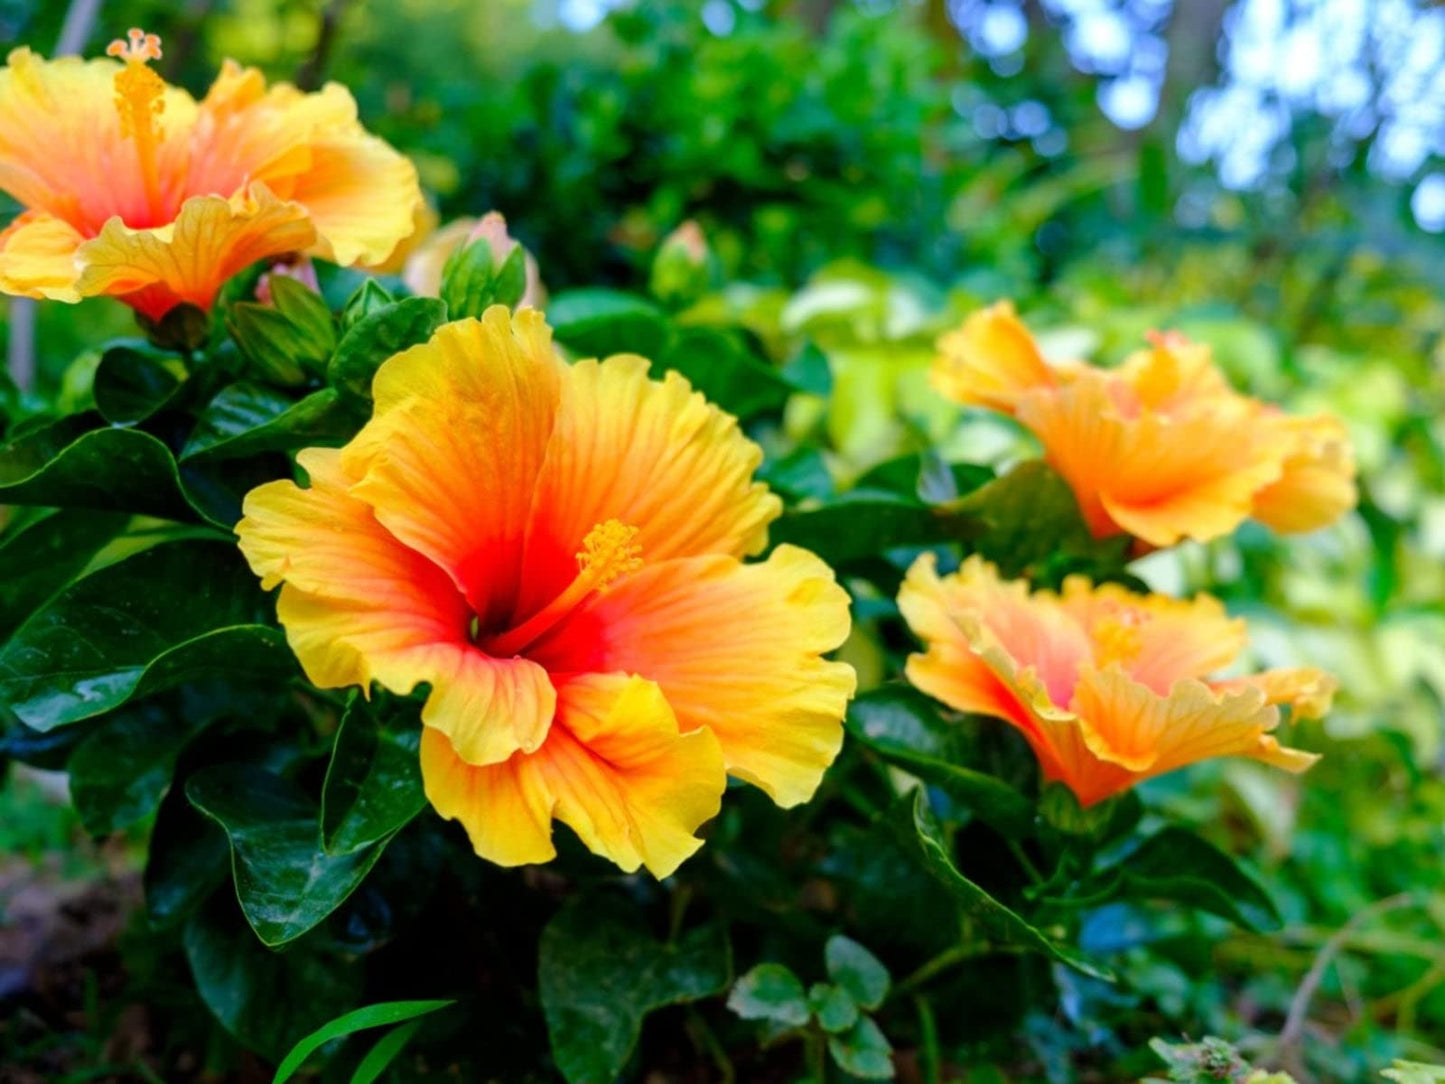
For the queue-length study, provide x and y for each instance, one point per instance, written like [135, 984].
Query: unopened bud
[681, 270]
[301, 269]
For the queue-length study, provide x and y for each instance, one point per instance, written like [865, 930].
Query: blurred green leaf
[1176, 865]
[601, 973]
[720, 368]
[598, 323]
[863, 1051]
[770, 992]
[120, 772]
[834, 1007]
[373, 784]
[170, 614]
[860, 524]
[857, 970]
[285, 882]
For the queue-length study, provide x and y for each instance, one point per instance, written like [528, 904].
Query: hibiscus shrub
[518, 585]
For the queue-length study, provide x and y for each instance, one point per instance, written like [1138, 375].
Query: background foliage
[865, 174]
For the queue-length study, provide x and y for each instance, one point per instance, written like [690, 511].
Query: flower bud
[301, 269]
[681, 270]
[471, 264]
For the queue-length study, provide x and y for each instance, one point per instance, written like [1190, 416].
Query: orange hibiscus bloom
[134, 189]
[557, 552]
[1161, 447]
[1108, 687]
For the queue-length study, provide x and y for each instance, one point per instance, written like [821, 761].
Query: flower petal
[360, 606]
[1306, 690]
[677, 468]
[37, 257]
[1317, 485]
[614, 768]
[737, 649]
[61, 148]
[189, 260]
[450, 459]
[990, 361]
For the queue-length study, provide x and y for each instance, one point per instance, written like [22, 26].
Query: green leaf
[863, 1051]
[861, 524]
[601, 973]
[44, 554]
[285, 882]
[187, 859]
[373, 785]
[1027, 518]
[72, 464]
[119, 773]
[800, 474]
[598, 323]
[857, 970]
[835, 1008]
[133, 382]
[770, 992]
[1000, 923]
[1102, 822]
[1413, 1072]
[380, 1056]
[718, 366]
[378, 336]
[171, 614]
[1179, 866]
[267, 1000]
[924, 476]
[808, 370]
[245, 419]
[905, 728]
[370, 1016]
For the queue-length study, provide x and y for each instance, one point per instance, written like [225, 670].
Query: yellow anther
[607, 552]
[140, 100]
[1117, 638]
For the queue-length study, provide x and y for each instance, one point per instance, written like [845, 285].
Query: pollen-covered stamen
[1117, 638]
[140, 100]
[609, 551]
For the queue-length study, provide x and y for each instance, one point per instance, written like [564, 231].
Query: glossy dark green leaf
[770, 992]
[74, 464]
[924, 476]
[857, 970]
[43, 554]
[378, 336]
[834, 1007]
[119, 773]
[601, 973]
[1176, 865]
[598, 323]
[863, 1051]
[186, 860]
[717, 365]
[285, 882]
[369, 1016]
[861, 524]
[267, 1000]
[134, 381]
[905, 728]
[174, 613]
[245, 419]
[998, 922]
[373, 784]
[217, 486]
